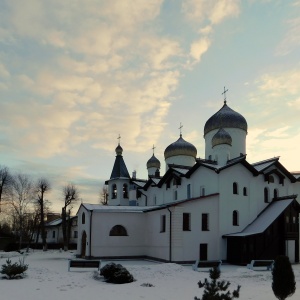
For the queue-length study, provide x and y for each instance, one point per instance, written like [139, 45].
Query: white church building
[218, 207]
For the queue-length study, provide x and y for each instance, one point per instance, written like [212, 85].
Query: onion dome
[180, 147]
[225, 118]
[221, 137]
[119, 150]
[153, 162]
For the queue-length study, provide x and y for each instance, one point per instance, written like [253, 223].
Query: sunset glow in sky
[76, 74]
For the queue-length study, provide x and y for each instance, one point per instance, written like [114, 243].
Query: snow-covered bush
[14, 270]
[116, 273]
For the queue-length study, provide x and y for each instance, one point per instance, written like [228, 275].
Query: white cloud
[214, 10]
[291, 40]
[199, 47]
[4, 73]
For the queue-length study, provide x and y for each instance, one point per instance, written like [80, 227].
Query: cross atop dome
[153, 149]
[119, 138]
[180, 131]
[224, 93]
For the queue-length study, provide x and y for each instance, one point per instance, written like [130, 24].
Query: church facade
[218, 207]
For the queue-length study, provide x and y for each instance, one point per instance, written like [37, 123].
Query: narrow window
[205, 225]
[235, 188]
[53, 234]
[271, 179]
[163, 223]
[83, 218]
[188, 191]
[202, 191]
[235, 218]
[125, 191]
[266, 195]
[186, 222]
[175, 195]
[154, 200]
[118, 230]
[114, 191]
[75, 234]
[245, 191]
[275, 193]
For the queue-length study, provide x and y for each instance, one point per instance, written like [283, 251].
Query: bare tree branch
[5, 183]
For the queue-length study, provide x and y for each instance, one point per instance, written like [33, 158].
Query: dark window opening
[205, 225]
[118, 230]
[235, 188]
[53, 234]
[245, 191]
[235, 218]
[125, 191]
[186, 222]
[83, 218]
[114, 191]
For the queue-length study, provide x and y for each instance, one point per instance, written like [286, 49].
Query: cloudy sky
[75, 74]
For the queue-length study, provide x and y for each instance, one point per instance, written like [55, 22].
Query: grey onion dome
[180, 147]
[119, 150]
[153, 162]
[225, 118]
[221, 137]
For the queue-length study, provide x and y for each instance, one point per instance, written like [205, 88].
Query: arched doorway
[83, 244]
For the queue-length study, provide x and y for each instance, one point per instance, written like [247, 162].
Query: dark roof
[119, 169]
[262, 167]
[225, 118]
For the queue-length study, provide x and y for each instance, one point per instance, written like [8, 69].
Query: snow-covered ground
[47, 278]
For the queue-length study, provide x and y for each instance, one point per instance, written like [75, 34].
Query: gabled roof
[174, 171]
[266, 218]
[217, 168]
[57, 222]
[116, 209]
[263, 168]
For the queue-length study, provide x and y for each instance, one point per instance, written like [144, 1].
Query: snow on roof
[156, 180]
[139, 183]
[117, 209]
[54, 222]
[181, 170]
[263, 221]
[261, 165]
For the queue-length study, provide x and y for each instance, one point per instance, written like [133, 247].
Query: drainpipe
[91, 219]
[146, 200]
[170, 236]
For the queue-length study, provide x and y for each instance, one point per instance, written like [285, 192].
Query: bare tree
[104, 195]
[5, 183]
[42, 187]
[21, 197]
[70, 193]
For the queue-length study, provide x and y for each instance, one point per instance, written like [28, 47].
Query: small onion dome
[221, 137]
[119, 150]
[153, 162]
[180, 147]
[225, 118]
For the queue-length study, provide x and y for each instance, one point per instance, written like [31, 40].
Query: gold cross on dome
[224, 93]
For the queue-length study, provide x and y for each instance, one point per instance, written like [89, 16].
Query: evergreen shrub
[13, 271]
[116, 273]
[284, 284]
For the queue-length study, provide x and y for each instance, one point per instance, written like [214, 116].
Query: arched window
[245, 191]
[271, 179]
[83, 218]
[235, 188]
[118, 230]
[275, 193]
[114, 191]
[125, 191]
[266, 195]
[235, 218]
